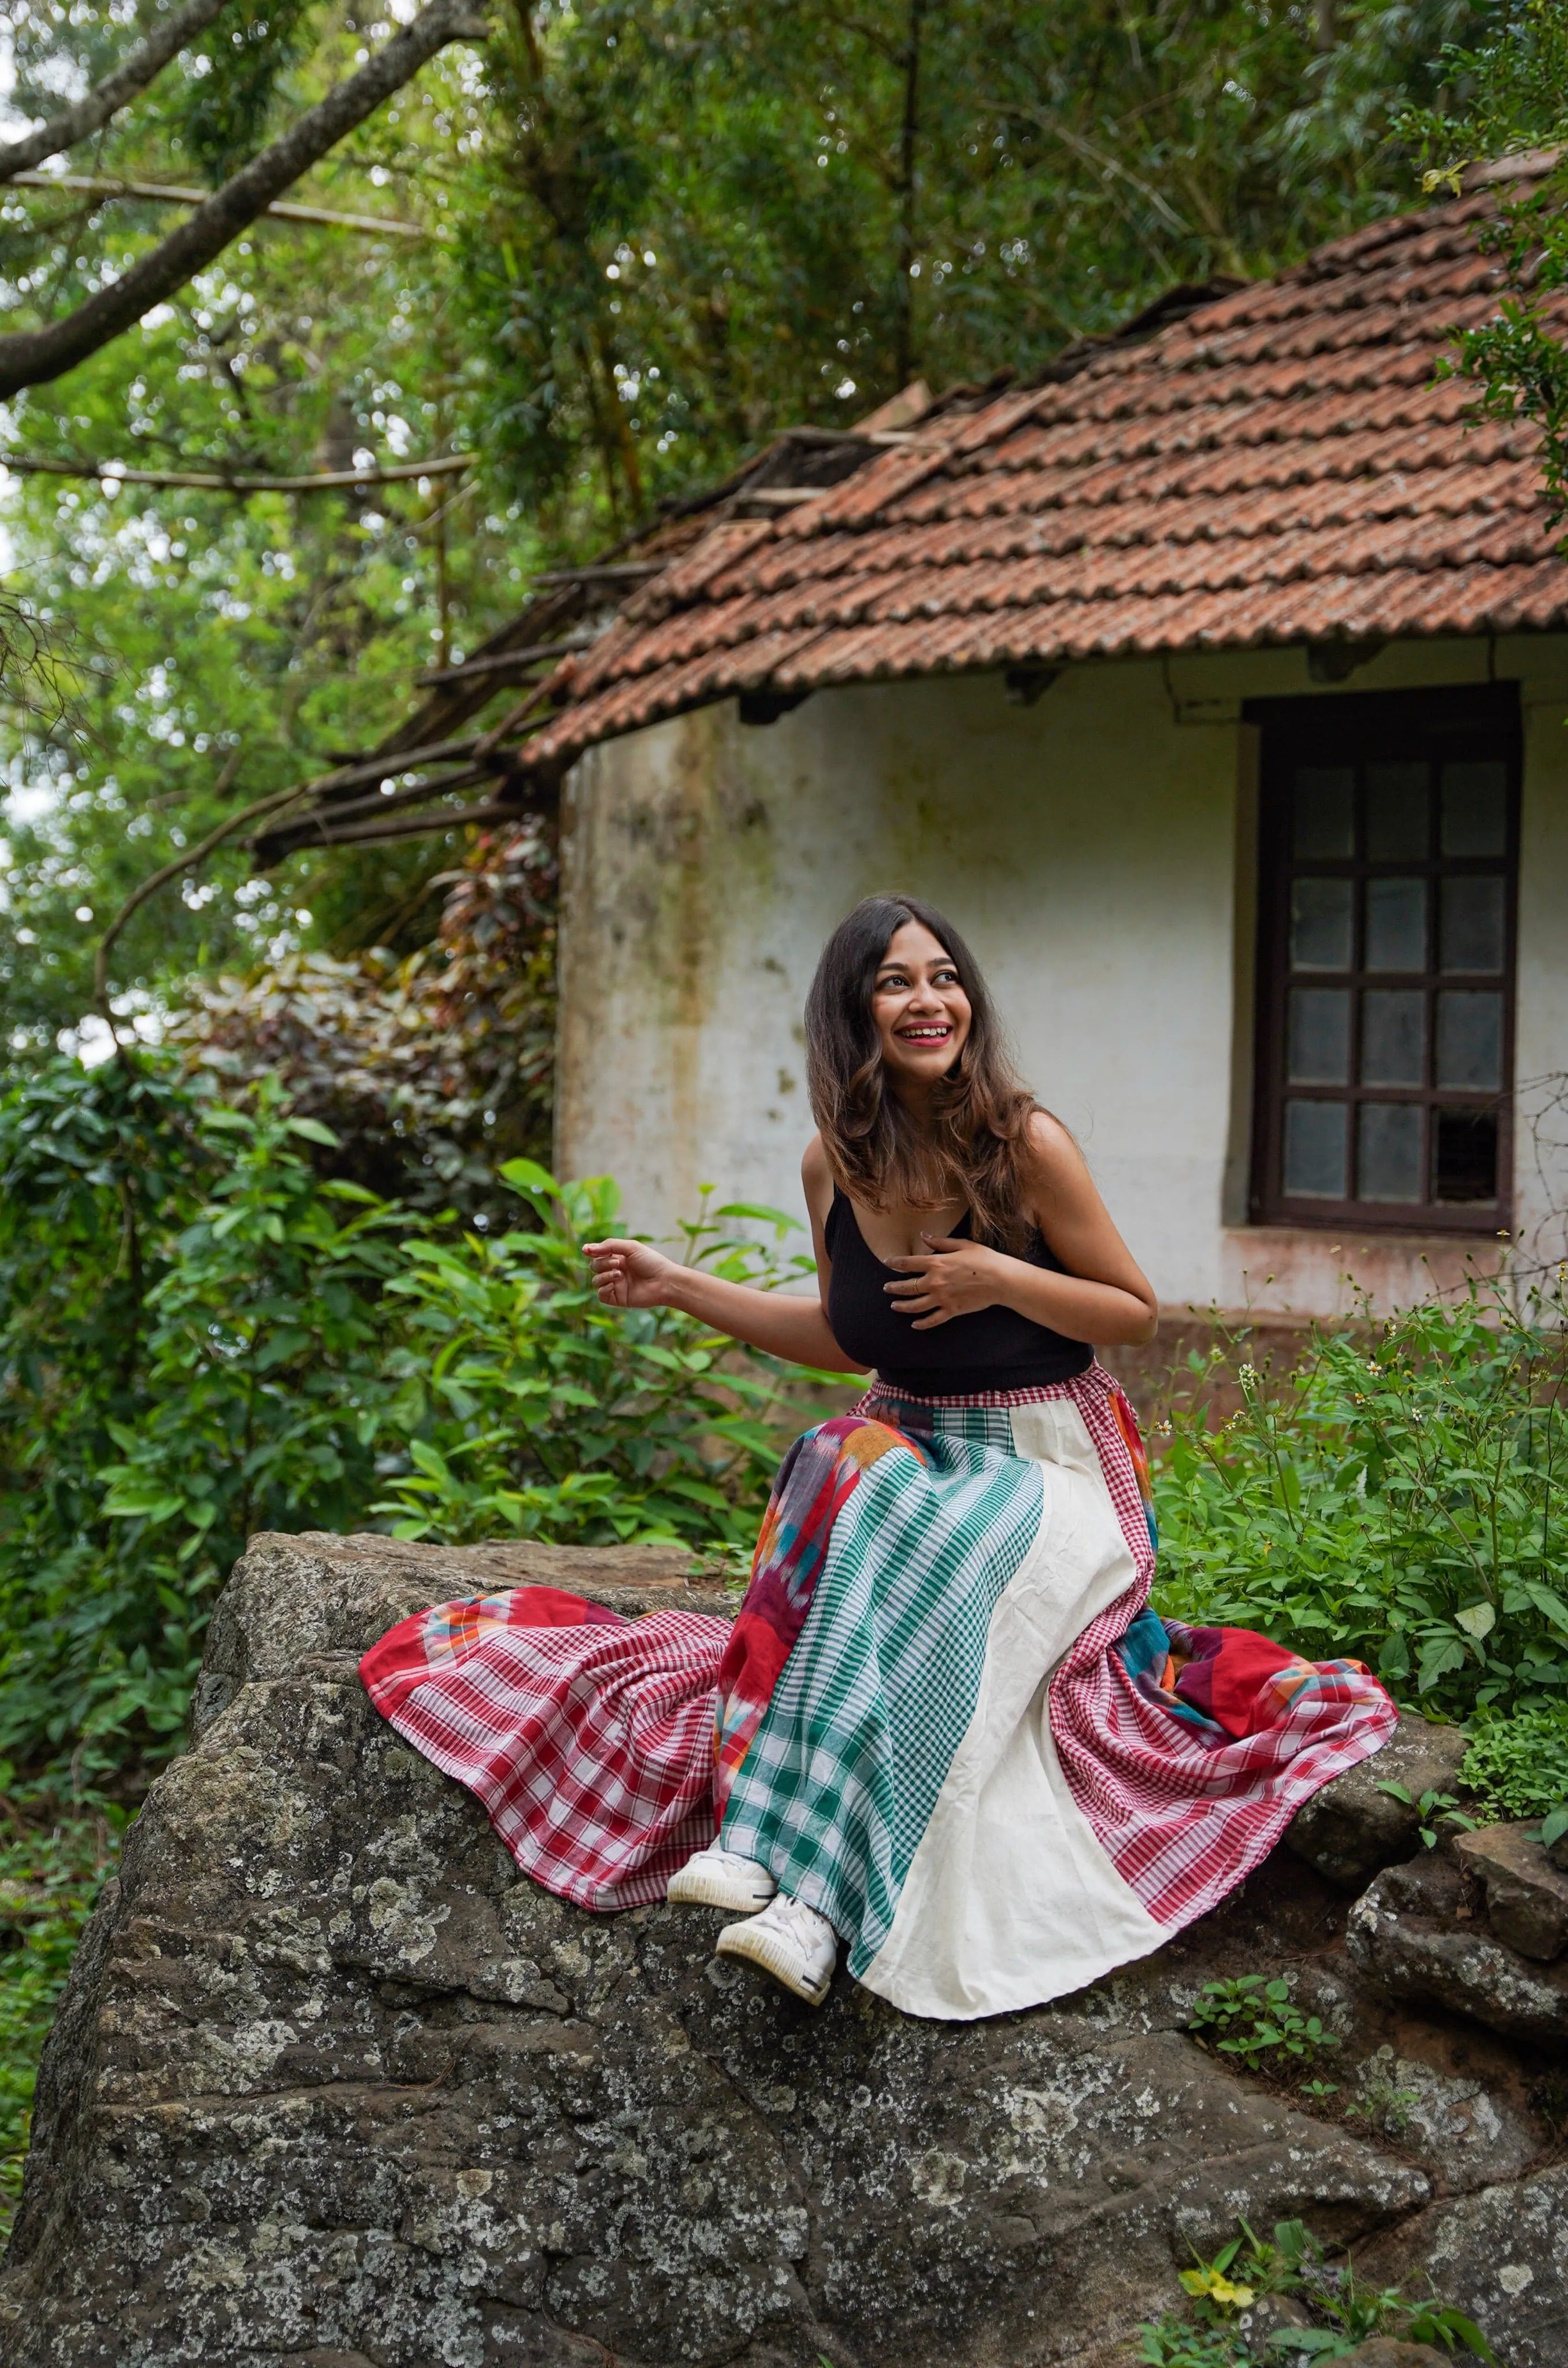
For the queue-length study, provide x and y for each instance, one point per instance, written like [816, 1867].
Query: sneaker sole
[761, 1948]
[706, 1887]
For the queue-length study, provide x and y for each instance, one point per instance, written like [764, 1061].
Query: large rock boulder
[1358, 1826]
[333, 2088]
[1422, 1931]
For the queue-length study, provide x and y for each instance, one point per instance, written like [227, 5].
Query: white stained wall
[1097, 850]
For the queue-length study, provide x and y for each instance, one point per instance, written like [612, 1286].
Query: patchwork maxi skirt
[945, 1715]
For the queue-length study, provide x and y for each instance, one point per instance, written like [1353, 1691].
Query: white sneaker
[791, 1942]
[721, 1878]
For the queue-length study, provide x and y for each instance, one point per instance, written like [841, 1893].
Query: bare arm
[634, 1274]
[1102, 1297]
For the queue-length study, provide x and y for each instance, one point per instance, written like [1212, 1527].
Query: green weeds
[1517, 1767]
[51, 1870]
[1434, 1811]
[1339, 2310]
[199, 1338]
[1254, 2019]
[1400, 1501]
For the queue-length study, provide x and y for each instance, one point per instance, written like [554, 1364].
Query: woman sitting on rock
[944, 1727]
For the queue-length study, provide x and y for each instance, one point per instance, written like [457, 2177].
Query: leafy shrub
[188, 1337]
[1254, 2020]
[1345, 2312]
[524, 1404]
[1170, 2342]
[429, 1070]
[1398, 1499]
[199, 1338]
[1436, 1811]
[1519, 1767]
[49, 1879]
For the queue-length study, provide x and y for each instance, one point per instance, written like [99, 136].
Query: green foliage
[209, 649]
[199, 1338]
[1517, 1766]
[50, 1874]
[430, 1072]
[1398, 1499]
[1254, 2019]
[222, 116]
[1435, 1810]
[1385, 2106]
[526, 1406]
[1504, 94]
[188, 1350]
[690, 228]
[1171, 2342]
[1292, 2262]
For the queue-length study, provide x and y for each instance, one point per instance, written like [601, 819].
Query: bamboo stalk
[498, 661]
[404, 825]
[625, 571]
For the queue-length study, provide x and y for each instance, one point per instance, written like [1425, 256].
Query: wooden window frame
[1360, 728]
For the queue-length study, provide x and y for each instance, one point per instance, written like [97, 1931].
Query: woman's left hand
[949, 1278]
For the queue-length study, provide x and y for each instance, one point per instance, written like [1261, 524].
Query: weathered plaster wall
[1096, 849]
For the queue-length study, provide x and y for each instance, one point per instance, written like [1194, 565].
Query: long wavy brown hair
[974, 1147]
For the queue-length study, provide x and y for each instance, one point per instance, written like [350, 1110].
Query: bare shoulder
[816, 1176]
[1057, 1167]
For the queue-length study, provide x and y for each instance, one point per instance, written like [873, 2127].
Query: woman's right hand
[631, 1274]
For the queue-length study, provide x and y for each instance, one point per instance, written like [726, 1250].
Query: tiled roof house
[1277, 467]
[1216, 683]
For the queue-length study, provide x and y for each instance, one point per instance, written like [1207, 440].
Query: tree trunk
[908, 145]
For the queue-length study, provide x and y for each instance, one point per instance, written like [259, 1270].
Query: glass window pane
[1397, 819]
[1396, 925]
[1393, 1036]
[1466, 1162]
[1469, 1039]
[1475, 808]
[1388, 1151]
[1324, 807]
[1319, 924]
[1319, 1051]
[1472, 934]
[1315, 1134]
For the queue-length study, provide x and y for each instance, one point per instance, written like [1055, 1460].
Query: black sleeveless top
[993, 1348]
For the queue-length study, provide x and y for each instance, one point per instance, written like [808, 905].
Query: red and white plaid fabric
[1182, 1821]
[590, 1746]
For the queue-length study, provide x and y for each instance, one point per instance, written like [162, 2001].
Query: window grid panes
[1385, 984]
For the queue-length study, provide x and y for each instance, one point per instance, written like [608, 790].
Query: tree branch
[116, 90]
[109, 472]
[33, 357]
[157, 880]
[168, 193]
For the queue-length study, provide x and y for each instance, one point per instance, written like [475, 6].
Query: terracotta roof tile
[1280, 465]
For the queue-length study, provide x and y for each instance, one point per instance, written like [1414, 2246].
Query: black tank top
[994, 1348]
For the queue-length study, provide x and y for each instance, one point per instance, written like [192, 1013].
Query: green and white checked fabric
[844, 1771]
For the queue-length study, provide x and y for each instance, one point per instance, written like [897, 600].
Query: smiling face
[920, 1009]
